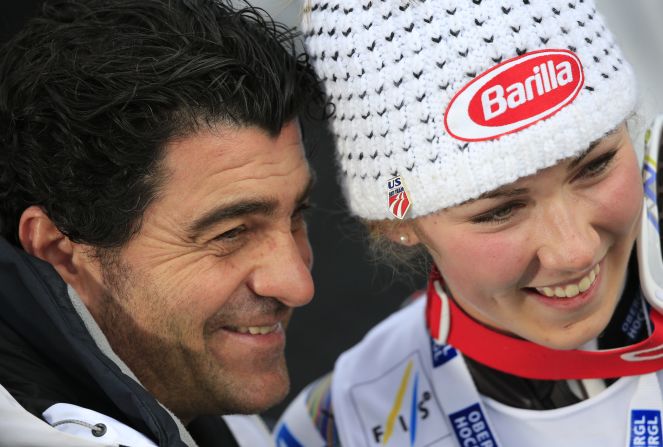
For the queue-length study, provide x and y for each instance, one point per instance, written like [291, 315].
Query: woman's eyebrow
[505, 191]
[501, 192]
[511, 191]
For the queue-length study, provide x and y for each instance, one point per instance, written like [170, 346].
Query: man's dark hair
[91, 91]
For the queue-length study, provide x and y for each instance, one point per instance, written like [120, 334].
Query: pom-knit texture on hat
[391, 68]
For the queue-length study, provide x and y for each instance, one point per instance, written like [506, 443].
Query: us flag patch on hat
[399, 200]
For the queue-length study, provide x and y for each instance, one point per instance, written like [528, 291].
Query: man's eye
[497, 215]
[231, 235]
[299, 215]
[598, 166]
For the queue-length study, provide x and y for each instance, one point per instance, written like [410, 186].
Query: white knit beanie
[450, 99]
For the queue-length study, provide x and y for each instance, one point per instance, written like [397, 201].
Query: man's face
[197, 302]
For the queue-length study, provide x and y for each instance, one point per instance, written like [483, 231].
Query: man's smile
[255, 330]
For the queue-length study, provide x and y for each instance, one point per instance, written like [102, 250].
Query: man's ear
[41, 238]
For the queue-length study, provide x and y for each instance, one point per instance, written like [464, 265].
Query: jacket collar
[38, 310]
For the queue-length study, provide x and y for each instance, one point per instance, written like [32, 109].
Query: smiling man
[152, 184]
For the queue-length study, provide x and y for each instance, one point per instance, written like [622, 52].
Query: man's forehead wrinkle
[237, 147]
[239, 160]
[232, 182]
[232, 148]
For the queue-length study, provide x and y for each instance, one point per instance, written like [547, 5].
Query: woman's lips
[571, 290]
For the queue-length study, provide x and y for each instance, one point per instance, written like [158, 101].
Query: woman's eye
[497, 215]
[598, 166]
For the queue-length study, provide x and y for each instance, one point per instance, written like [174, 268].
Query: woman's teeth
[571, 290]
[257, 330]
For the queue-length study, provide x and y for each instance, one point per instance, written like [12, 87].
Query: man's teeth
[571, 290]
[257, 330]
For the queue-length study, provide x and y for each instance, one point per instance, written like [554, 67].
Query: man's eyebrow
[577, 160]
[265, 207]
[232, 211]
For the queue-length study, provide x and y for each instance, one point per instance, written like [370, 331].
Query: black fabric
[37, 383]
[47, 356]
[211, 431]
[550, 394]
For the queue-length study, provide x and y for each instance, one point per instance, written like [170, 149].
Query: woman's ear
[401, 233]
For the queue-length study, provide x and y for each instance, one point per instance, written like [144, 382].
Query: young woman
[493, 136]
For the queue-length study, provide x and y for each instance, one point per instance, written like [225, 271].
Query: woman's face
[567, 231]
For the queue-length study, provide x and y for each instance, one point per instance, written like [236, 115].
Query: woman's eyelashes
[597, 166]
[500, 214]
[505, 212]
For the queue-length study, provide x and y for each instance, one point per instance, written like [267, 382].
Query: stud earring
[404, 239]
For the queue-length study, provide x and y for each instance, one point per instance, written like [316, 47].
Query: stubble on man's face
[157, 345]
[197, 301]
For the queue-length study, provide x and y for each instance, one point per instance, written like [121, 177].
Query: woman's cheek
[489, 263]
[621, 199]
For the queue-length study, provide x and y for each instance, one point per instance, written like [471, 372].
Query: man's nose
[284, 270]
[569, 240]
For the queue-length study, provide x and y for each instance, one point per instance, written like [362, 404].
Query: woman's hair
[91, 92]
[413, 259]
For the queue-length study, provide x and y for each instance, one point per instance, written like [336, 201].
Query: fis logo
[402, 411]
[284, 438]
[398, 198]
[408, 423]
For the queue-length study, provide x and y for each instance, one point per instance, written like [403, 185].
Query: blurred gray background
[353, 293]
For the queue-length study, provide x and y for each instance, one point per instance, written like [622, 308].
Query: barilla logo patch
[398, 198]
[471, 428]
[514, 95]
[398, 409]
[645, 428]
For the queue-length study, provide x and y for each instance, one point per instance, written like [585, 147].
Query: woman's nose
[569, 240]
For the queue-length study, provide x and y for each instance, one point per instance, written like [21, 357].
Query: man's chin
[258, 395]
[248, 380]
